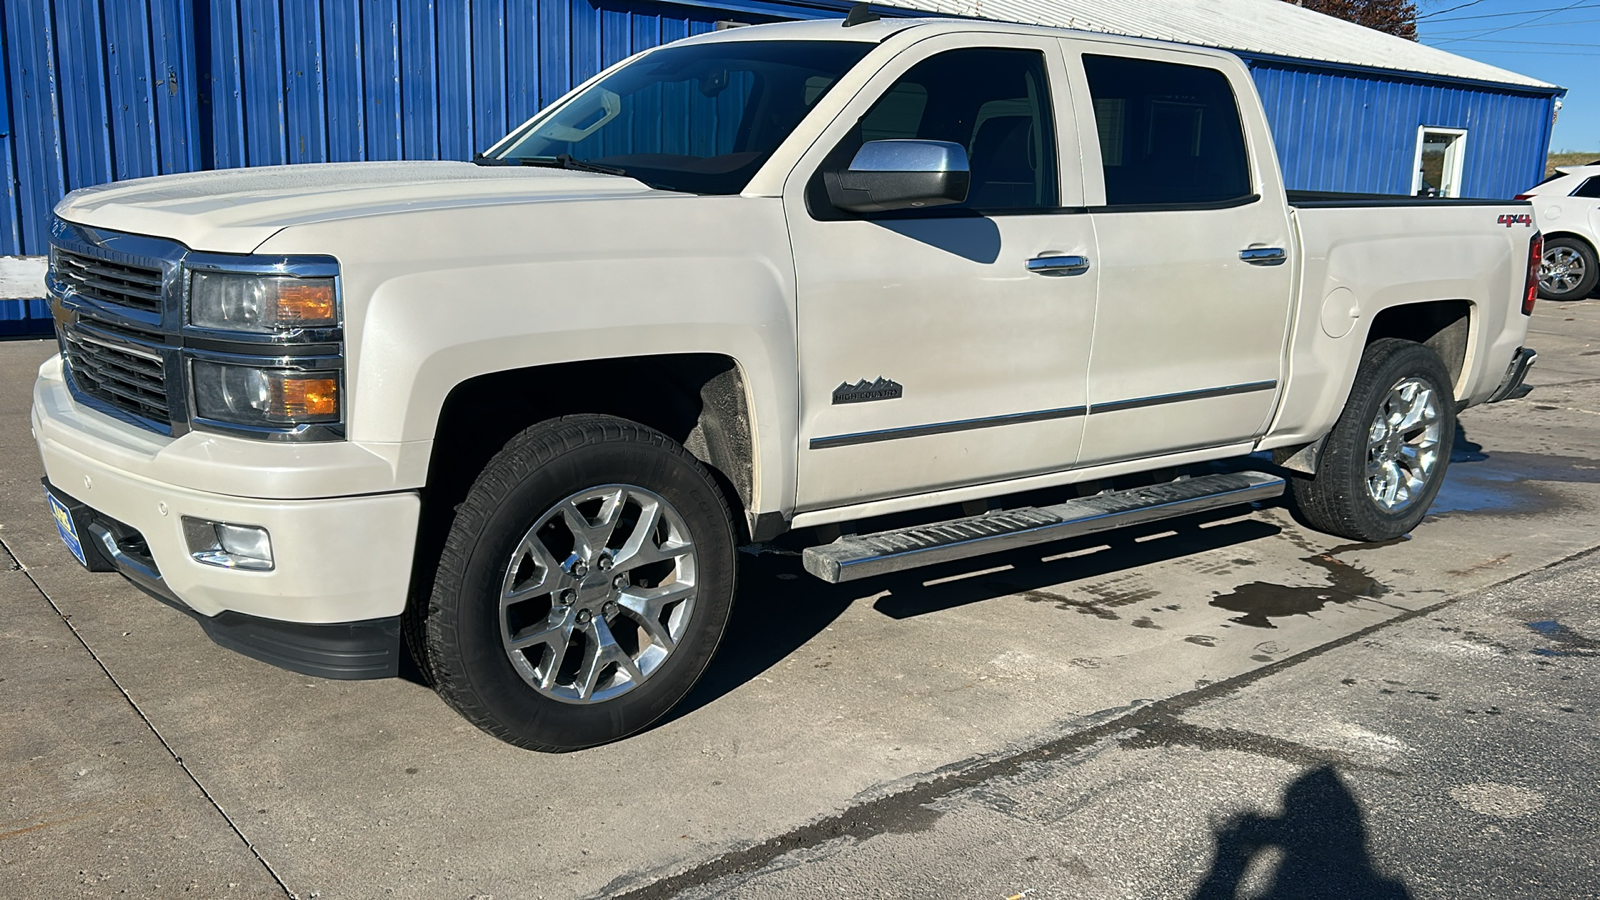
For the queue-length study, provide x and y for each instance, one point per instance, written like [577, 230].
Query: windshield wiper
[559, 161]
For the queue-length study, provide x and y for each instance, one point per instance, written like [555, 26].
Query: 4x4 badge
[864, 391]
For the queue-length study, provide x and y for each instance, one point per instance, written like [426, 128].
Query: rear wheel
[1385, 459]
[1568, 270]
[584, 585]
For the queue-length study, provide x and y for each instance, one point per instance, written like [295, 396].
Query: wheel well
[1441, 325]
[1550, 236]
[698, 400]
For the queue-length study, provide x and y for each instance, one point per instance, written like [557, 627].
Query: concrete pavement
[813, 743]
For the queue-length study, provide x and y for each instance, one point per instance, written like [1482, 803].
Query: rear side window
[1590, 188]
[1169, 133]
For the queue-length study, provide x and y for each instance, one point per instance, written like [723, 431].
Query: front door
[931, 356]
[1195, 271]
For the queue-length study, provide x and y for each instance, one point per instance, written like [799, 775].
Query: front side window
[700, 118]
[994, 102]
[1169, 134]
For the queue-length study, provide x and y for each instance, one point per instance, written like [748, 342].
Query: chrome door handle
[1058, 265]
[1263, 256]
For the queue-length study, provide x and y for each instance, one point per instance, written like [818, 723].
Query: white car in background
[1567, 207]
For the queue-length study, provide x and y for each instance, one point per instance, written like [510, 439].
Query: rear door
[931, 356]
[1194, 253]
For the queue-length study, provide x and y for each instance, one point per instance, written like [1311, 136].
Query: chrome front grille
[135, 287]
[121, 328]
[132, 379]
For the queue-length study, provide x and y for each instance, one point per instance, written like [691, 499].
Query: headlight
[265, 397]
[263, 304]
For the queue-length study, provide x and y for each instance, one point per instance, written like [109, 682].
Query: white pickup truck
[519, 412]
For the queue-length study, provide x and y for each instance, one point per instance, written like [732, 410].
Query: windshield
[700, 118]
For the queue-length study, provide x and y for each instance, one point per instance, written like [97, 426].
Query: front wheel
[1385, 459]
[585, 584]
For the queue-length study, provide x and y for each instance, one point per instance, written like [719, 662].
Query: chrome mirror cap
[887, 176]
[910, 156]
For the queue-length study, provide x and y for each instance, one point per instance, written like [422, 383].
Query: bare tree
[1397, 17]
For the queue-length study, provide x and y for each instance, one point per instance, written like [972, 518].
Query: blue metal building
[101, 91]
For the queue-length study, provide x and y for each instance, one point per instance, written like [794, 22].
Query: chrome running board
[862, 556]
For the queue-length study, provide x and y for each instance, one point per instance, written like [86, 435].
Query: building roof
[1267, 27]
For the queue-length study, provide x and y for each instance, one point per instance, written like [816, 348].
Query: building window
[1440, 155]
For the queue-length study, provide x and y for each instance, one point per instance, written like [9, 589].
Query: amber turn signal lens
[305, 302]
[261, 304]
[302, 398]
[265, 398]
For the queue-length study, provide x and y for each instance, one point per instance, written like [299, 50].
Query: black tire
[1337, 500]
[533, 475]
[1586, 258]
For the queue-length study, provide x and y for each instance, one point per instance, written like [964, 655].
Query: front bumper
[331, 604]
[1511, 386]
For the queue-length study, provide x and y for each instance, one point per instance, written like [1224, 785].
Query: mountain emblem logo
[865, 391]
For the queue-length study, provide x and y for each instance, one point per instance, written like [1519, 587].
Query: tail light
[1530, 291]
[1523, 197]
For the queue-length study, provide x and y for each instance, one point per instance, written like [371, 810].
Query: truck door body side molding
[891, 434]
[1202, 394]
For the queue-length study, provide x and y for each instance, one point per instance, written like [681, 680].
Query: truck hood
[236, 210]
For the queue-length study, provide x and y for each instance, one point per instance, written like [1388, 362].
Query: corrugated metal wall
[108, 91]
[102, 90]
[1357, 131]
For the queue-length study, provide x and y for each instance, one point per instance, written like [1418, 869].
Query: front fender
[441, 297]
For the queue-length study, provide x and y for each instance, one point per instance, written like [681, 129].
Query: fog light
[228, 546]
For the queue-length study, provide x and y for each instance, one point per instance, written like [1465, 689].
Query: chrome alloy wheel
[598, 593]
[1561, 270]
[1403, 445]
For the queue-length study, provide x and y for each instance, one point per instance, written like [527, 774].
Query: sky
[1556, 41]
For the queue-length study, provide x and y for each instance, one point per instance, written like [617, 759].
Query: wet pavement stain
[1145, 622]
[1567, 642]
[1204, 640]
[1063, 602]
[1486, 564]
[1103, 597]
[1261, 601]
[1507, 483]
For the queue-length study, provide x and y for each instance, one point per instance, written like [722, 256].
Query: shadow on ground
[780, 607]
[1505, 483]
[1319, 846]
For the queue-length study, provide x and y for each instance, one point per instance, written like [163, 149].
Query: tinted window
[700, 118]
[1168, 133]
[1590, 188]
[993, 102]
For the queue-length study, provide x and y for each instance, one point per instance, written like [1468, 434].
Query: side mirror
[901, 174]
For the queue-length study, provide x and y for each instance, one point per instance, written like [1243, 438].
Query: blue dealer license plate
[68, 531]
